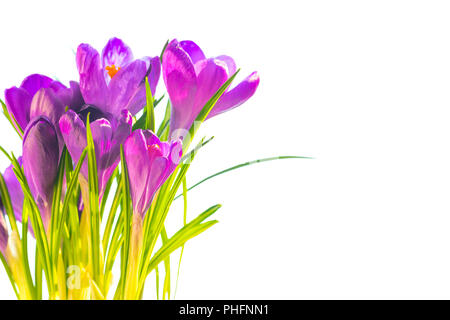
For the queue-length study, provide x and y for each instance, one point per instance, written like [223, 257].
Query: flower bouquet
[97, 177]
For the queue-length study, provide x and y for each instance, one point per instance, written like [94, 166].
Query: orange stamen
[112, 70]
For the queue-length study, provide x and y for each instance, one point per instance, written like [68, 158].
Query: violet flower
[114, 81]
[108, 134]
[150, 162]
[40, 163]
[40, 95]
[192, 79]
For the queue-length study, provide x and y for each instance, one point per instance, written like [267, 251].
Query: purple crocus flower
[192, 79]
[115, 81]
[40, 163]
[41, 95]
[108, 134]
[150, 162]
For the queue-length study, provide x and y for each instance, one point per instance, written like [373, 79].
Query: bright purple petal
[236, 96]
[125, 85]
[212, 74]
[136, 157]
[18, 103]
[153, 72]
[69, 97]
[45, 103]
[181, 83]
[34, 82]
[193, 50]
[231, 65]
[73, 132]
[92, 80]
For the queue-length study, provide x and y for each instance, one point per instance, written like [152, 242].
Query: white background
[362, 86]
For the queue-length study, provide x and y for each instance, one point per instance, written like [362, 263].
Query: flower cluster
[110, 108]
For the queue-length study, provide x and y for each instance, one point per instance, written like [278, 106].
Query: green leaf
[162, 51]
[150, 112]
[163, 130]
[6, 200]
[68, 199]
[126, 207]
[55, 216]
[184, 223]
[178, 240]
[240, 166]
[140, 123]
[94, 210]
[10, 276]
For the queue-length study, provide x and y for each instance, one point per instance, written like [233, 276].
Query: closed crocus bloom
[115, 81]
[40, 163]
[192, 79]
[19, 99]
[3, 234]
[108, 134]
[150, 162]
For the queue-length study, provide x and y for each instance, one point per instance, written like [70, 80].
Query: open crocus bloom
[150, 162]
[25, 102]
[192, 79]
[114, 81]
[108, 134]
[40, 163]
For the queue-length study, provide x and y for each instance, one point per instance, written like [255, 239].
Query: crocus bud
[108, 135]
[192, 79]
[40, 163]
[150, 162]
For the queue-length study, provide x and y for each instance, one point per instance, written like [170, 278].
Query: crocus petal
[45, 103]
[212, 74]
[193, 50]
[40, 162]
[14, 190]
[136, 157]
[18, 103]
[73, 132]
[153, 72]
[34, 82]
[116, 53]
[236, 96]
[175, 154]
[70, 97]
[149, 164]
[92, 80]
[181, 83]
[125, 85]
[229, 61]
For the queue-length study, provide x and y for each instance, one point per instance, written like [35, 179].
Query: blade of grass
[150, 112]
[240, 166]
